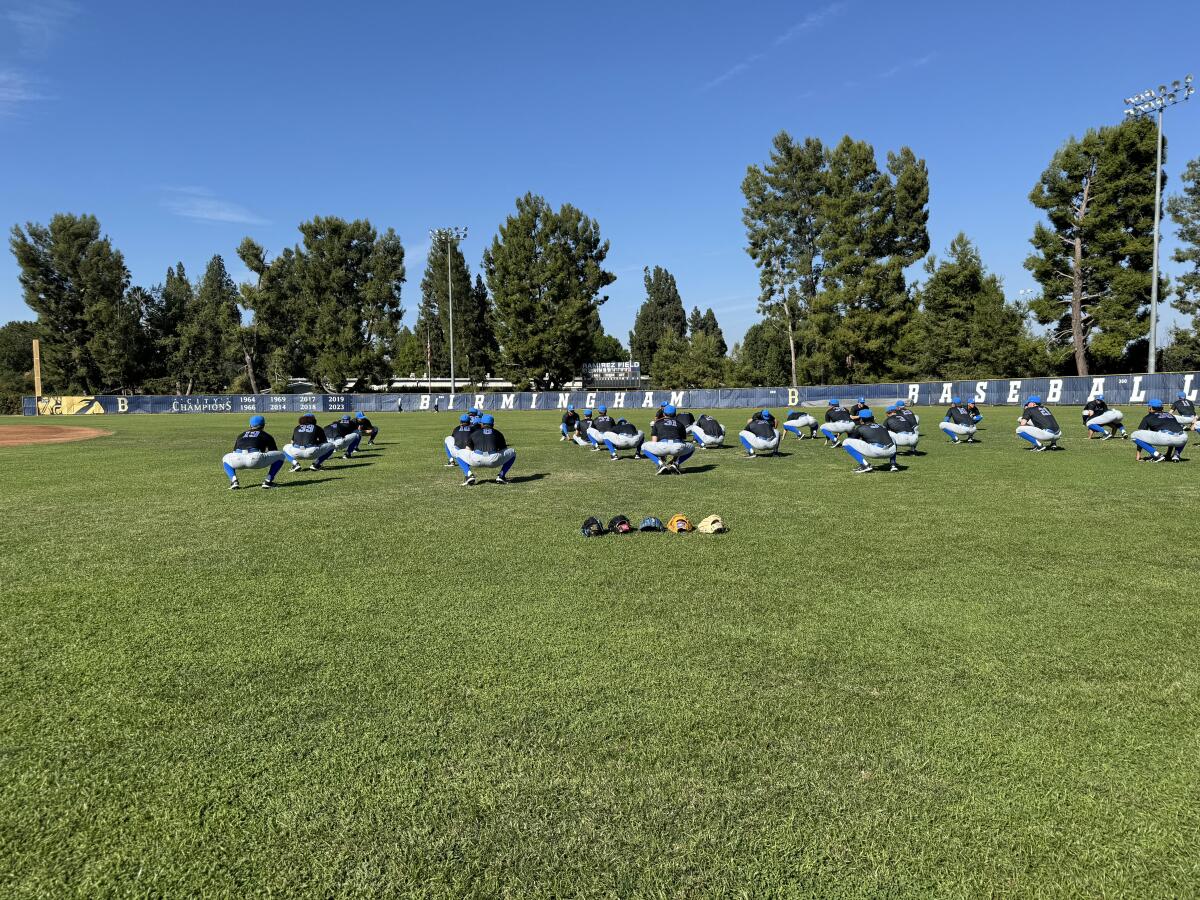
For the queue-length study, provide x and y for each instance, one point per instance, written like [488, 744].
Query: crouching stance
[707, 432]
[623, 436]
[344, 435]
[870, 440]
[1097, 416]
[1159, 429]
[959, 423]
[797, 421]
[1184, 410]
[669, 446]
[902, 429]
[486, 449]
[1037, 424]
[601, 425]
[308, 442]
[366, 428]
[253, 449]
[760, 435]
[457, 439]
[582, 427]
[570, 421]
[837, 423]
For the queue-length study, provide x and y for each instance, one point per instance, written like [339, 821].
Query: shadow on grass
[692, 470]
[343, 466]
[279, 485]
[519, 479]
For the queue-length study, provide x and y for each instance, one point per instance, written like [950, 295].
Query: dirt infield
[24, 435]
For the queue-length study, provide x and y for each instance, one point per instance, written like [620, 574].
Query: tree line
[837, 234]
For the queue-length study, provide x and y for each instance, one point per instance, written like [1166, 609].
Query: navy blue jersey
[604, 423]
[487, 440]
[462, 433]
[668, 429]
[872, 433]
[1095, 407]
[1184, 407]
[959, 415]
[1040, 417]
[626, 428]
[898, 423]
[760, 428]
[570, 419]
[686, 419]
[364, 424]
[1161, 421]
[340, 429]
[308, 436]
[837, 414]
[256, 440]
[710, 426]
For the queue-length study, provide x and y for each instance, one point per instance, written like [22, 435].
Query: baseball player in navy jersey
[668, 447]
[366, 429]
[959, 423]
[707, 432]
[486, 448]
[344, 435]
[1159, 428]
[570, 421]
[798, 420]
[308, 442]
[1097, 415]
[902, 429]
[976, 415]
[870, 440]
[457, 438]
[601, 425]
[837, 423]
[760, 436]
[1184, 410]
[1037, 424]
[857, 408]
[253, 449]
[623, 436]
[582, 427]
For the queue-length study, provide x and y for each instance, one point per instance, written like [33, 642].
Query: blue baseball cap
[866, 414]
[473, 411]
[833, 403]
[1181, 395]
[464, 418]
[1099, 396]
[602, 408]
[669, 409]
[257, 421]
[956, 400]
[862, 399]
[345, 418]
[1035, 399]
[570, 407]
[766, 413]
[899, 403]
[1156, 403]
[360, 415]
[487, 420]
[587, 411]
[892, 408]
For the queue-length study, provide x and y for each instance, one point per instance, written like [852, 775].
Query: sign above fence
[1069, 391]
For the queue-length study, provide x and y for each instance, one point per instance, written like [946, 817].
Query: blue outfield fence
[1066, 391]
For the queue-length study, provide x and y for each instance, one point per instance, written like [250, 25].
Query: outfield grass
[977, 676]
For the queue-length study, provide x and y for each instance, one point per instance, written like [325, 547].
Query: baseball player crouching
[253, 449]
[837, 423]
[797, 420]
[601, 425]
[669, 446]
[760, 436]
[308, 442]
[623, 436]
[1184, 410]
[707, 432]
[902, 429]
[1038, 424]
[1160, 429]
[870, 440]
[959, 423]
[1097, 415]
[486, 449]
[457, 439]
[345, 436]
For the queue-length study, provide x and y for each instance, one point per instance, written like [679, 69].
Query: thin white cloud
[203, 205]
[38, 23]
[810, 22]
[15, 91]
[908, 65]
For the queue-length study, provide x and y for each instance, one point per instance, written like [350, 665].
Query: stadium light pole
[1140, 106]
[451, 236]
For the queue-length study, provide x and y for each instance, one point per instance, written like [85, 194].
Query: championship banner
[1118, 390]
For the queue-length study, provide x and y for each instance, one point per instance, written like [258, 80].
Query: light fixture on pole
[451, 236]
[1139, 106]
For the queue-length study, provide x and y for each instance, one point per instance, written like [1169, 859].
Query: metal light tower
[1138, 106]
[451, 236]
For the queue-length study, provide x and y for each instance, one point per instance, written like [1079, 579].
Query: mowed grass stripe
[976, 675]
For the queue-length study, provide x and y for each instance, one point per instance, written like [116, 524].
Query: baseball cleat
[662, 469]
[295, 467]
[863, 469]
[267, 485]
[1158, 457]
[893, 468]
[233, 485]
[449, 465]
[468, 481]
[315, 467]
[500, 479]
[612, 457]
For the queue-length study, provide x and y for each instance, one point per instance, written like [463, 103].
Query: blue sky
[185, 127]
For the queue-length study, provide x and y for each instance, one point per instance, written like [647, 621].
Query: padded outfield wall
[1118, 390]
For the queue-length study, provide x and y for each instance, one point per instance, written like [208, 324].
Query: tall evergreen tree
[474, 341]
[76, 283]
[763, 357]
[1093, 260]
[706, 323]
[545, 273]
[209, 348]
[164, 316]
[660, 317]
[1183, 352]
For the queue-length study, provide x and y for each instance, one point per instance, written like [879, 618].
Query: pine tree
[208, 338]
[660, 317]
[1093, 260]
[1183, 350]
[545, 272]
[76, 283]
[711, 327]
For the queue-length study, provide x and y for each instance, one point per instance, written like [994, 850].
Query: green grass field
[978, 676]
